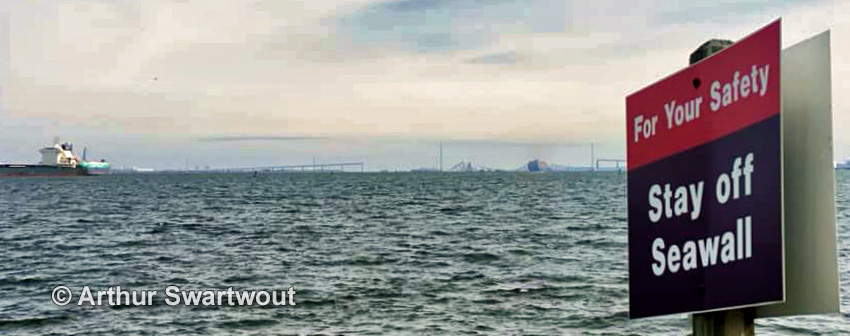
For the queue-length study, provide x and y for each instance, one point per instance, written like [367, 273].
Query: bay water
[366, 254]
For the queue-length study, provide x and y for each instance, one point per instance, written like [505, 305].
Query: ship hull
[94, 168]
[95, 171]
[26, 170]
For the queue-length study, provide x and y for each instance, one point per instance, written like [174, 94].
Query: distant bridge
[325, 167]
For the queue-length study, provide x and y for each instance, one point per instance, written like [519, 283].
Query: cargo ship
[57, 160]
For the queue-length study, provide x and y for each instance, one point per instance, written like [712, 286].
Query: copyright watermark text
[116, 296]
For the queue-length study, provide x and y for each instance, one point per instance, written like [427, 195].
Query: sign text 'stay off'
[705, 183]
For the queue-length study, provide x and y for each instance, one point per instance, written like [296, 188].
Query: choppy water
[432, 254]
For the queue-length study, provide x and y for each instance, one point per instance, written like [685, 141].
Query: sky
[226, 83]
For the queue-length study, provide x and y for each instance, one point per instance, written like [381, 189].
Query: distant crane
[441, 155]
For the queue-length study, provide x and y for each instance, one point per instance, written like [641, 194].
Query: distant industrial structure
[441, 155]
[617, 163]
[465, 165]
[307, 168]
[128, 170]
[324, 167]
[537, 165]
[594, 162]
[540, 166]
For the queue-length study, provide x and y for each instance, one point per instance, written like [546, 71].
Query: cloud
[505, 57]
[446, 25]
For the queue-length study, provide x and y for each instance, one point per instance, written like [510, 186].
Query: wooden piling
[733, 322]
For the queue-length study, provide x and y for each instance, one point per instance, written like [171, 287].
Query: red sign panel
[713, 98]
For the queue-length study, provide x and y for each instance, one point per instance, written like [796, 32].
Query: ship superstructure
[60, 155]
[57, 160]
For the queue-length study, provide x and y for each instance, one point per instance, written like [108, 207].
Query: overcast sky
[500, 82]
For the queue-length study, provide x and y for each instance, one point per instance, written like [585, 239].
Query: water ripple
[369, 254]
